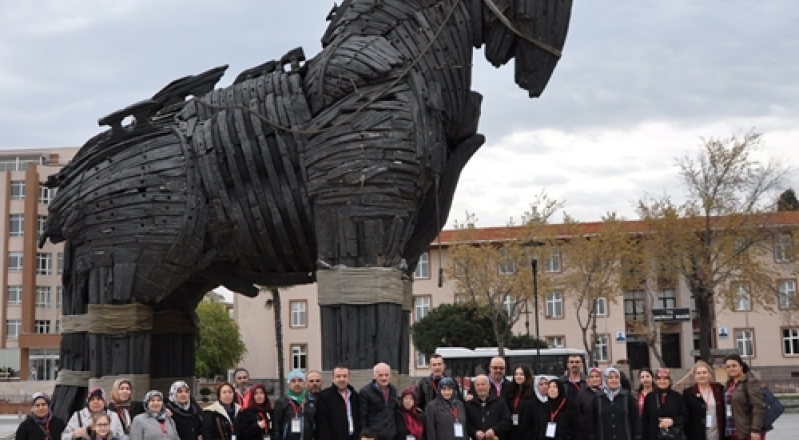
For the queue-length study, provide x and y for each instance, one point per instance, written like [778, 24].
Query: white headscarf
[542, 397]
[611, 393]
[173, 394]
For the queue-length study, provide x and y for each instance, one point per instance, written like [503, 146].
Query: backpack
[774, 408]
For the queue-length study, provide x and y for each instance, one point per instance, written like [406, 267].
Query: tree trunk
[703, 306]
[281, 358]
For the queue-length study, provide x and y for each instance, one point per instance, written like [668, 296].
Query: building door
[670, 344]
[637, 352]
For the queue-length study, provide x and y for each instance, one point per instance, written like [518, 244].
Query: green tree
[453, 325]
[219, 341]
[521, 341]
[788, 201]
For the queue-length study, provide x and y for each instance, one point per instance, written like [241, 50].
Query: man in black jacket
[487, 416]
[427, 389]
[499, 384]
[574, 380]
[378, 403]
[338, 415]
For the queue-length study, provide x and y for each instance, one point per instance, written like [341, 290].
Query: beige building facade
[31, 277]
[770, 341]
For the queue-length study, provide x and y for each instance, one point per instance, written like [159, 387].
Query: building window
[787, 294]
[59, 297]
[782, 247]
[44, 263]
[17, 189]
[13, 328]
[422, 267]
[601, 349]
[45, 194]
[634, 309]
[790, 341]
[506, 264]
[58, 326]
[421, 360]
[421, 307]
[554, 305]
[667, 299]
[508, 304]
[40, 222]
[42, 326]
[745, 342]
[556, 341]
[299, 313]
[42, 297]
[14, 295]
[299, 357]
[601, 307]
[16, 225]
[552, 263]
[60, 267]
[15, 260]
[742, 300]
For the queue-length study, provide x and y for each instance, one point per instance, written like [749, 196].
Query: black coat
[378, 414]
[189, 423]
[530, 420]
[585, 405]
[697, 411]
[492, 413]
[247, 424]
[616, 420]
[217, 425]
[672, 405]
[331, 414]
[284, 413]
[567, 419]
[523, 409]
[30, 430]
[573, 388]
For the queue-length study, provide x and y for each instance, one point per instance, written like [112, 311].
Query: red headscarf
[413, 422]
[249, 399]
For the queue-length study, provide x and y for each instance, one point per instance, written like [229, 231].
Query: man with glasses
[500, 385]
[574, 380]
[314, 382]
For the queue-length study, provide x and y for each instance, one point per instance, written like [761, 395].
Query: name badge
[551, 428]
[233, 437]
[410, 437]
[515, 419]
[709, 421]
[296, 425]
[350, 425]
[729, 410]
[458, 430]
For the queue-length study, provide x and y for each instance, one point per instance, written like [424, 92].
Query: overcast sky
[639, 84]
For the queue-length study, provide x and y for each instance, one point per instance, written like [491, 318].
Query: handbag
[774, 407]
[673, 432]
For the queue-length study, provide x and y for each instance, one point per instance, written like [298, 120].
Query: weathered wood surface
[349, 158]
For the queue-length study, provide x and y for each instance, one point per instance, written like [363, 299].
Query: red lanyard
[47, 428]
[552, 415]
[454, 411]
[163, 427]
[577, 385]
[433, 384]
[297, 409]
[663, 399]
[516, 401]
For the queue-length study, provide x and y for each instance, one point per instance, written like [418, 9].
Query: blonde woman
[705, 402]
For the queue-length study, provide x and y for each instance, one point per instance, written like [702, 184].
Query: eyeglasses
[101, 425]
[497, 368]
[575, 362]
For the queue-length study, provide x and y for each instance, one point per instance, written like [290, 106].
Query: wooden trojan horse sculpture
[339, 169]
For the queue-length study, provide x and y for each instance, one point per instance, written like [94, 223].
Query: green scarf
[299, 398]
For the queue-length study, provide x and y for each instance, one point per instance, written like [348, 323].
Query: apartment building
[769, 341]
[32, 294]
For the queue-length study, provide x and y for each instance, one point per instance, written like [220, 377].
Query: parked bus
[466, 363]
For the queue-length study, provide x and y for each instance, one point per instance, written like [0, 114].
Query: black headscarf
[551, 404]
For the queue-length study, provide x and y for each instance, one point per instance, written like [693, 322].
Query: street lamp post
[534, 264]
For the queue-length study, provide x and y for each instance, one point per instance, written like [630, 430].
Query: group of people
[599, 406]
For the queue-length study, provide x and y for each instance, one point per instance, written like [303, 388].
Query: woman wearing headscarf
[153, 423]
[40, 424]
[744, 404]
[664, 408]
[445, 416]
[410, 419]
[586, 396]
[255, 419]
[219, 418]
[705, 398]
[529, 422]
[184, 411]
[520, 400]
[615, 412]
[560, 419]
[122, 403]
[81, 420]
